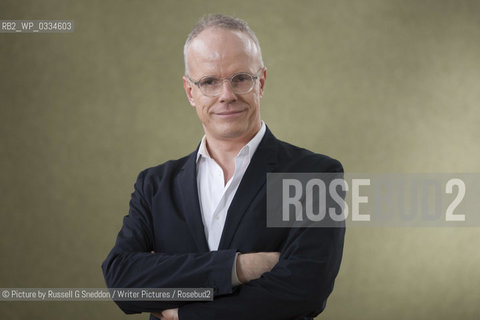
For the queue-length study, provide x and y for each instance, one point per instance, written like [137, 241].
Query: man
[200, 221]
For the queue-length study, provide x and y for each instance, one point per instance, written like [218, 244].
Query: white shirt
[214, 195]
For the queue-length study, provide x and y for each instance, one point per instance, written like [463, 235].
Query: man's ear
[262, 78]
[187, 85]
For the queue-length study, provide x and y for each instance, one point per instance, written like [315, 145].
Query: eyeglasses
[240, 83]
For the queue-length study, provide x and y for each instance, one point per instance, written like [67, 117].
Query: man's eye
[241, 78]
[209, 82]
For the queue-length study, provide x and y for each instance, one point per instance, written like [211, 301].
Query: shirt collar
[250, 147]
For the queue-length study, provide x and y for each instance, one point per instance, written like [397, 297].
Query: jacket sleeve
[297, 286]
[130, 264]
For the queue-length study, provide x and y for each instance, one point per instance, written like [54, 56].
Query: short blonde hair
[223, 22]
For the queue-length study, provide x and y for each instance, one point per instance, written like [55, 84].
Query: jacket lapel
[253, 181]
[187, 184]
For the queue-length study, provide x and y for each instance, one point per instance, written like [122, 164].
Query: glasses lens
[242, 83]
[210, 85]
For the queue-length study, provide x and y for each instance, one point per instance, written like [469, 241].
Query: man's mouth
[229, 113]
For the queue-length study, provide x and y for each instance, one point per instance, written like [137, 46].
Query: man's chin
[231, 132]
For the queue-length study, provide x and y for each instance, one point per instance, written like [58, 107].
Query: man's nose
[227, 94]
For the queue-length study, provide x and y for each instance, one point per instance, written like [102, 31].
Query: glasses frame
[254, 78]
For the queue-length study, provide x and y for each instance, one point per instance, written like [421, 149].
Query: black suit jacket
[165, 217]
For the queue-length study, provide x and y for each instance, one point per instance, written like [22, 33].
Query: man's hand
[169, 314]
[251, 266]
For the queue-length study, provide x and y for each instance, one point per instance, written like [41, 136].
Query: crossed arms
[288, 281]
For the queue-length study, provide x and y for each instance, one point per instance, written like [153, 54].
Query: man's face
[222, 53]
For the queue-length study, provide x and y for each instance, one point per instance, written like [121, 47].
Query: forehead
[222, 52]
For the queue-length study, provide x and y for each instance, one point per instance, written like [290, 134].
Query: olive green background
[383, 86]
